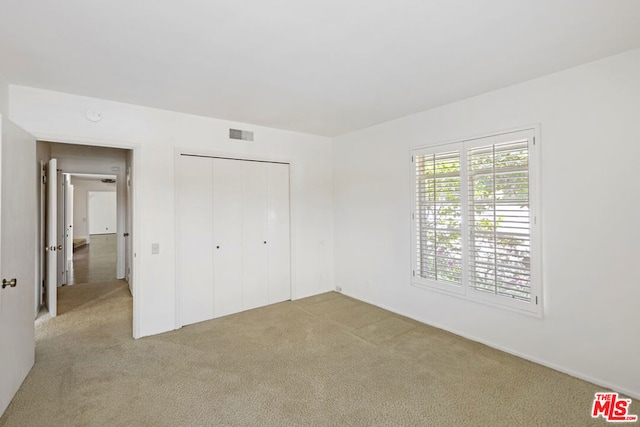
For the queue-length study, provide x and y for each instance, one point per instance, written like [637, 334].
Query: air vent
[243, 135]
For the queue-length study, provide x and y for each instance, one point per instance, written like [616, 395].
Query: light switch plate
[155, 248]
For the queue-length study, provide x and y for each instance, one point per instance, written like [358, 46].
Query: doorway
[93, 207]
[91, 226]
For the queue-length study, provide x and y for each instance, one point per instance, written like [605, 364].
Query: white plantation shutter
[438, 216]
[473, 219]
[499, 219]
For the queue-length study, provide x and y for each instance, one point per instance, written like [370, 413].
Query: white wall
[4, 96]
[590, 121]
[81, 187]
[102, 212]
[156, 135]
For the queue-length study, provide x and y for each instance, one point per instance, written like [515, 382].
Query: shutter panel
[438, 217]
[499, 219]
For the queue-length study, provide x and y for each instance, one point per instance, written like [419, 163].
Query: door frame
[135, 179]
[242, 157]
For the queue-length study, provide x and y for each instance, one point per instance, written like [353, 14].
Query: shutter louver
[499, 219]
[438, 217]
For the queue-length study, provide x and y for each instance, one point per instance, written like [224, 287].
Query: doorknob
[11, 283]
[126, 234]
[59, 247]
[50, 248]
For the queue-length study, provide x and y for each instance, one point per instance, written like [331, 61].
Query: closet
[233, 233]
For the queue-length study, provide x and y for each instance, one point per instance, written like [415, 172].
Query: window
[474, 219]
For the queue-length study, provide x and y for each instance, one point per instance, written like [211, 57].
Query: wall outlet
[155, 248]
[338, 288]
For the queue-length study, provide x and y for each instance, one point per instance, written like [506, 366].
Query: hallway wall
[81, 188]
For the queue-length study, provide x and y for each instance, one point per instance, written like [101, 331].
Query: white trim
[232, 155]
[576, 374]
[532, 133]
[91, 141]
[534, 126]
[176, 271]
[136, 168]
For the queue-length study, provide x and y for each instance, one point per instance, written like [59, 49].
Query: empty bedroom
[321, 213]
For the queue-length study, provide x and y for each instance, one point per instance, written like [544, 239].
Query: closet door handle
[265, 242]
[218, 247]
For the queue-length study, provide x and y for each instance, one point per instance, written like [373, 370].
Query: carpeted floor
[324, 360]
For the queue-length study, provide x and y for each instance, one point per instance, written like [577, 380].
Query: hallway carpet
[324, 360]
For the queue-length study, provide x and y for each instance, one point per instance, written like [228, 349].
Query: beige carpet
[324, 360]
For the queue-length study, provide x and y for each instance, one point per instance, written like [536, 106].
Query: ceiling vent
[243, 135]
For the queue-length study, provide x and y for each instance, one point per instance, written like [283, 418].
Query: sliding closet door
[278, 251]
[227, 236]
[232, 236]
[194, 189]
[254, 234]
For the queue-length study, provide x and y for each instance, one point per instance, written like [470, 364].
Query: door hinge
[44, 179]
[414, 273]
[536, 300]
[534, 140]
[411, 159]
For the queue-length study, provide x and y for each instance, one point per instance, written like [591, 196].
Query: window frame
[464, 290]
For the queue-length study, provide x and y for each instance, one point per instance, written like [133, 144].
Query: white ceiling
[323, 67]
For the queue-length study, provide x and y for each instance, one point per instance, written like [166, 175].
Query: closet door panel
[254, 235]
[227, 236]
[279, 280]
[194, 189]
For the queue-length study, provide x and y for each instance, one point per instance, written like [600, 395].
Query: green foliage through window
[497, 222]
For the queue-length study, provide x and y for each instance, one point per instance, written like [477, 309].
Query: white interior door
[278, 231]
[51, 279]
[60, 238]
[195, 239]
[254, 235]
[68, 211]
[227, 233]
[18, 219]
[128, 257]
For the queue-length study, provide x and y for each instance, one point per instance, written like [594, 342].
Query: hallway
[95, 262]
